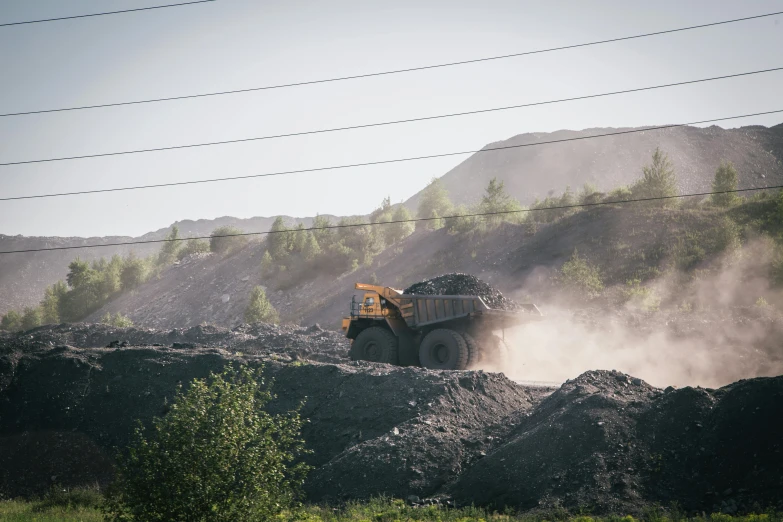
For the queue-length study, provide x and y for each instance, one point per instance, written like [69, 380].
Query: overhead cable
[411, 220]
[107, 13]
[381, 73]
[369, 163]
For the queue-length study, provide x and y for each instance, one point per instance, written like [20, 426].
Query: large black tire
[444, 349]
[375, 344]
[474, 350]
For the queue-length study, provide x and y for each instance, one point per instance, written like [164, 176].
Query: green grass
[379, 510]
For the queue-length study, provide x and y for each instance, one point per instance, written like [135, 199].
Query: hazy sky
[234, 44]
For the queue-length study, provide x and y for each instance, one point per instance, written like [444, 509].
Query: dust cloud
[706, 330]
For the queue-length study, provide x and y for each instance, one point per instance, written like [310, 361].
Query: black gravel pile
[463, 284]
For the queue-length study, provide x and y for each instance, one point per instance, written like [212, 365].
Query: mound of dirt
[462, 284]
[613, 442]
[605, 440]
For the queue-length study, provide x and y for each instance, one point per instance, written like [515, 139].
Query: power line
[393, 122]
[107, 13]
[427, 117]
[379, 162]
[412, 220]
[384, 73]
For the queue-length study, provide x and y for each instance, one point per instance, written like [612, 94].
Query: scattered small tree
[134, 273]
[118, 320]
[434, 203]
[226, 240]
[31, 318]
[311, 249]
[267, 264]
[11, 322]
[725, 181]
[278, 241]
[497, 201]
[396, 232]
[217, 456]
[193, 246]
[658, 180]
[259, 309]
[169, 249]
[581, 277]
[50, 305]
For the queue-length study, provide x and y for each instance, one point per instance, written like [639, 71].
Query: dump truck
[446, 332]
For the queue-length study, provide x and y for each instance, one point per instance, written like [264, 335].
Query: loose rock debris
[604, 440]
[462, 284]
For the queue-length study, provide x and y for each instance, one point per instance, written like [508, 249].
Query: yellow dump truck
[447, 332]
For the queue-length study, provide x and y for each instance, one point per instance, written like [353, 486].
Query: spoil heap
[463, 284]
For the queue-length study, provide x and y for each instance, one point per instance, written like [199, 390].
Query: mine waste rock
[604, 440]
[462, 284]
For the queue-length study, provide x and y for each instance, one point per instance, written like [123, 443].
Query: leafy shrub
[217, 456]
[193, 246]
[640, 296]
[464, 223]
[259, 309]
[50, 304]
[725, 180]
[658, 180]
[497, 201]
[12, 321]
[31, 318]
[134, 273]
[226, 240]
[579, 276]
[170, 249]
[434, 203]
[118, 320]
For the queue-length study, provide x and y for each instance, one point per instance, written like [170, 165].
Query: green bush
[725, 180]
[278, 241]
[581, 277]
[259, 309]
[497, 201]
[134, 273]
[118, 320]
[217, 456]
[170, 249]
[31, 318]
[226, 240]
[658, 181]
[11, 322]
[464, 223]
[50, 305]
[434, 203]
[193, 246]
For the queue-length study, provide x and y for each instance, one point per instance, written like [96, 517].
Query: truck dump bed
[422, 310]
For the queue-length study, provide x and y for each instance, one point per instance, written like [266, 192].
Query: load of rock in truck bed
[463, 284]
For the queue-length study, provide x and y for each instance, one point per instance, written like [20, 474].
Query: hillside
[612, 161]
[23, 277]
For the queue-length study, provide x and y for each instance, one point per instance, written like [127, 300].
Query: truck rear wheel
[375, 344]
[444, 349]
[474, 350]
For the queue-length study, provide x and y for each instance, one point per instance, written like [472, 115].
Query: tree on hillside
[169, 249]
[396, 231]
[31, 318]
[11, 322]
[725, 181]
[193, 246]
[298, 239]
[323, 234]
[259, 309]
[226, 240]
[496, 199]
[278, 243]
[50, 305]
[79, 273]
[658, 180]
[134, 273]
[434, 203]
[216, 456]
[311, 249]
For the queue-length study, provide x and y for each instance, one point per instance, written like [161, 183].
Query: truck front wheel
[444, 349]
[375, 344]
